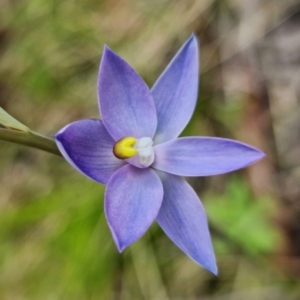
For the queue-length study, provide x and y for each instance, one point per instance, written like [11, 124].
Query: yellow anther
[124, 148]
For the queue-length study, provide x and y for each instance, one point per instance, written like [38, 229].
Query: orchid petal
[183, 219]
[126, 104]
[203, 156]
[132, 201]
[175, 92]
[87, 146]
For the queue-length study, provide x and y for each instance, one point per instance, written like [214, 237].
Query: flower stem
[31, 139]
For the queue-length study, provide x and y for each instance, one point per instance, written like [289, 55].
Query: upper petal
[175, 92]
[183, 219]
[132, 201]
[203, 156]
[87, 146]
[126, 104]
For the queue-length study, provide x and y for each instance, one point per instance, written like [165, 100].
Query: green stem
[31, 139]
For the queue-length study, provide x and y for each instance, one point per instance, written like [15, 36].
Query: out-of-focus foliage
[57, 245]
[246, 222]
[54, 240]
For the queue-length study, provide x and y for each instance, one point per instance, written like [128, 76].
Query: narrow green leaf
[8, 121]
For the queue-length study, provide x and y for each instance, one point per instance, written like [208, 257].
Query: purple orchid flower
[136, 151]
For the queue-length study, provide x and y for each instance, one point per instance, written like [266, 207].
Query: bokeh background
[54, 240]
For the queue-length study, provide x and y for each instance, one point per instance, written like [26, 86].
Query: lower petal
[132, 201]
[183, 219]
[87, 146]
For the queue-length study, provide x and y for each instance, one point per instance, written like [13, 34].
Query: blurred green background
[54, 240]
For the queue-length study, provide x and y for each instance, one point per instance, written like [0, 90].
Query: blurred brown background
[54, 241]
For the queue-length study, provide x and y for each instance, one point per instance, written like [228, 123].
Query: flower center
[124, 148]
[129, 146]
